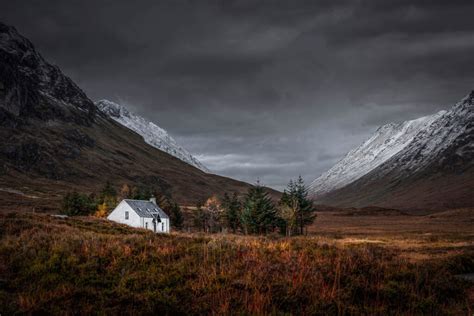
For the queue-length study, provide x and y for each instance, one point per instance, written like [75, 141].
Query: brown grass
[432, 236]
[87, 265]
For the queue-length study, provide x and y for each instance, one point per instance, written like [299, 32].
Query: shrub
[76, 204]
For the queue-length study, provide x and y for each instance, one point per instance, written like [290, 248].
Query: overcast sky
[261, 89]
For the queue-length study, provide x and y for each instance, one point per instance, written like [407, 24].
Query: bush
[76, 204]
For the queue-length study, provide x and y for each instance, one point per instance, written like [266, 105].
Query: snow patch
[410, 145]
[151, 133]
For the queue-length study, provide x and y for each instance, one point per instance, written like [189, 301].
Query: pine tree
[141, 193]
[258, 214]
[76, 204]
[232, 208]
[307, 214]
[176, 216]
[295, 200]
[108, 190]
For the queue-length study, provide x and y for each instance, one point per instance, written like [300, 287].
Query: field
[432, 236]
[349, 263]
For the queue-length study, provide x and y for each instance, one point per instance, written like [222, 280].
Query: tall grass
[85, 265]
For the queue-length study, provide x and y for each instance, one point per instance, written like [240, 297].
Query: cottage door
[154, 225]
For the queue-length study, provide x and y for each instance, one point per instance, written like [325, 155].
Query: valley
[387, 230]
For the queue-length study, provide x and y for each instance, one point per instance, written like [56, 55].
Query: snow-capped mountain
[438, 145]
[387, 141]
[151, 133]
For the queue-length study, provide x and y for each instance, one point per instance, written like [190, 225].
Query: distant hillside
[427, 163]
[54, 139]
[151, 133]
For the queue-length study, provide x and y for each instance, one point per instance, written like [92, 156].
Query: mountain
[151, 133]
[55, 140]
[387, 141]
[423, 163]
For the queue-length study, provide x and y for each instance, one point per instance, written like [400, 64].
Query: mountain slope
[54, 140]
[151, 133]
[423, 163]
[386, 142]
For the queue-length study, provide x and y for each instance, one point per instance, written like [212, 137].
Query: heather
[86, 265]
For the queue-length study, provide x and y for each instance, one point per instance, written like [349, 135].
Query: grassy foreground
[89, 266]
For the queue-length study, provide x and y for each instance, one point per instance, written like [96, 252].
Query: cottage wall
[161, 227]
[118, 215]
[134, 220]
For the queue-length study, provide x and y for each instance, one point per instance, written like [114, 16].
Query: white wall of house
[119, 215]
[164, 225]
[161, 227]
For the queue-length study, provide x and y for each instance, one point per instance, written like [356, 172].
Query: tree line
[101, 204]
[254, 213]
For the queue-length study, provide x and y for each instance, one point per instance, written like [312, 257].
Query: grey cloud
[261, 89]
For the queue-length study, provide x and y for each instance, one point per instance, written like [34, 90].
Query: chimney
[153, 200]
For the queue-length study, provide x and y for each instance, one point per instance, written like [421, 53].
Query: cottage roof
[146, 208]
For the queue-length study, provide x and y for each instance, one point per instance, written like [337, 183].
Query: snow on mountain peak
[151, 133]
[387, 141]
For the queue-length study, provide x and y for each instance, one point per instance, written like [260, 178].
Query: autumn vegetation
[254, 213]
[233, 255]
[102, 203]
[87, 265]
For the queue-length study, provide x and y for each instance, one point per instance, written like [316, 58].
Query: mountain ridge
[33, 88]
[151, 133]
[55, 140]
[434, 168]
[388, 140]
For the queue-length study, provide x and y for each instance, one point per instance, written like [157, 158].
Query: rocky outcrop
[31, 88]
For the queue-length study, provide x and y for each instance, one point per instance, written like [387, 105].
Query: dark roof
[146, 208]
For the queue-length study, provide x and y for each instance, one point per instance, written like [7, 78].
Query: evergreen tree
[258, 213]
[76, 204]
[232, 208]
[176, 216]
[108, 190]
[141, 193]
[173, 210]
[107, 197]
[307, 214]
[295, 201]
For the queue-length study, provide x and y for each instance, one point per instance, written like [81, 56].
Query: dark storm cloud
[261, 89]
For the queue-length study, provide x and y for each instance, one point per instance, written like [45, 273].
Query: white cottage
[143, 214]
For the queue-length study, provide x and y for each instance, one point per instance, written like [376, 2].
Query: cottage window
[126, 215]
[163, 227]
[146, 225]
